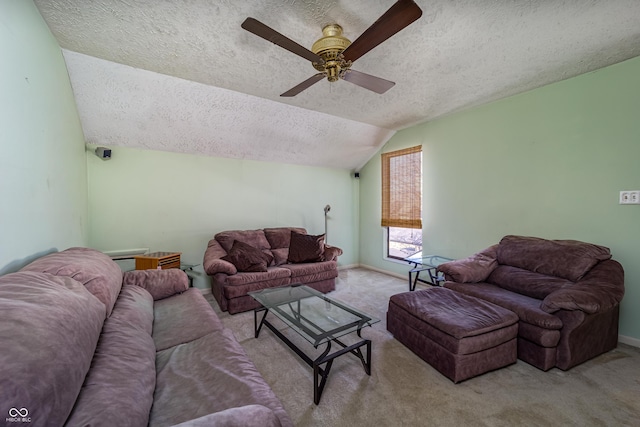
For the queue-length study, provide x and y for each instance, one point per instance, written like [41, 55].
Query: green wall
[43, 185]
[547, 163]
[169, 201]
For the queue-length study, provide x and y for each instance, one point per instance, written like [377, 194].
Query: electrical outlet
[630, 197]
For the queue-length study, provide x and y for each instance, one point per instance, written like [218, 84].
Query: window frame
[402, 209]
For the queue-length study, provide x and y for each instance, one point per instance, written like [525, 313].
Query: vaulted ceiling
[184, 76]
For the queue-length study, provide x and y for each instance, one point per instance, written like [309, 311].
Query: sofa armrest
[246, 416]
[473, 269]
[601, 289]
[159, 283]
[212, 262]
[214, 266]
[331, 253]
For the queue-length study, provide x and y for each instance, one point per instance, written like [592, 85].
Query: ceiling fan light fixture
[331, 43]
[329, 47]
[333, 54]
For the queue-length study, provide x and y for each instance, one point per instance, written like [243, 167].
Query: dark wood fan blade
[399, 16]
[304, 85]
[368, 81]
[261, 30]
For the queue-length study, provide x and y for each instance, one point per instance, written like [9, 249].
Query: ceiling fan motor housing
[329, 48]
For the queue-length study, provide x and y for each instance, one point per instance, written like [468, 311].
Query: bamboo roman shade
[402, 188]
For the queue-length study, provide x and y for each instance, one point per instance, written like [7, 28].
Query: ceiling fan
[332, 55]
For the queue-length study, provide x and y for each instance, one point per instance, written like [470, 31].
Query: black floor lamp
[326, 210]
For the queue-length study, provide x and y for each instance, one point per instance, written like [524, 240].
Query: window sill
[395, 260]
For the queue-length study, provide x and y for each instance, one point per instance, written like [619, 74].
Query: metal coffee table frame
[428, 263]
[317, 337]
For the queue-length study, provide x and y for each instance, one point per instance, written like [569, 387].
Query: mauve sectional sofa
[84, 344]
[310, 262]
[566, 294]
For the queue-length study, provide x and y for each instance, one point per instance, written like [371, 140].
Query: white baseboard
[388, 273]
[204, 291]
[348, 267]
[634, 342]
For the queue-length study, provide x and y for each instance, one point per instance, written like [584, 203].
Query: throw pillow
[268, 257]
[306, 248]
[246, 258]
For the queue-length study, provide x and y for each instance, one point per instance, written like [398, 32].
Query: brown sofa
[566, 294]
[309, 262]
[85, 344]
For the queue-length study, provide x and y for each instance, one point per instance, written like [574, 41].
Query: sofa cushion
[527, 308]
[280, 255]
[525, 282]
[312, 272]
[159, 283]
[183, 318]
[247, 258]
[210, 374]
[306, 247]
[269, 257]
[119, 387]
[242, 283]
[95, 270]
[569, 259]
[49, 330]
[253, 238]
[281, 237]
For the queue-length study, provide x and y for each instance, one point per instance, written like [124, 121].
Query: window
[402, 201]
[403, 242]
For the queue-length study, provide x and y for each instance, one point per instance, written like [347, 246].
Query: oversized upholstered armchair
[566, 294]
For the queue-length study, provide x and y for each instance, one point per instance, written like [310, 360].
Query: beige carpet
[403, 390]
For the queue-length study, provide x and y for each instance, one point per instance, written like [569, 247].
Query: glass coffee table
[428, 263]
[320, 320]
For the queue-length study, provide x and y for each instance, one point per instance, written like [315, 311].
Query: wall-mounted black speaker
[356, 175]
[103, 153]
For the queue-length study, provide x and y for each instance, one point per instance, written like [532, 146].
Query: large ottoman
[459, 335]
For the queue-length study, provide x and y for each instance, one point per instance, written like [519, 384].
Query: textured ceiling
[457, 55]
[125, 106]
